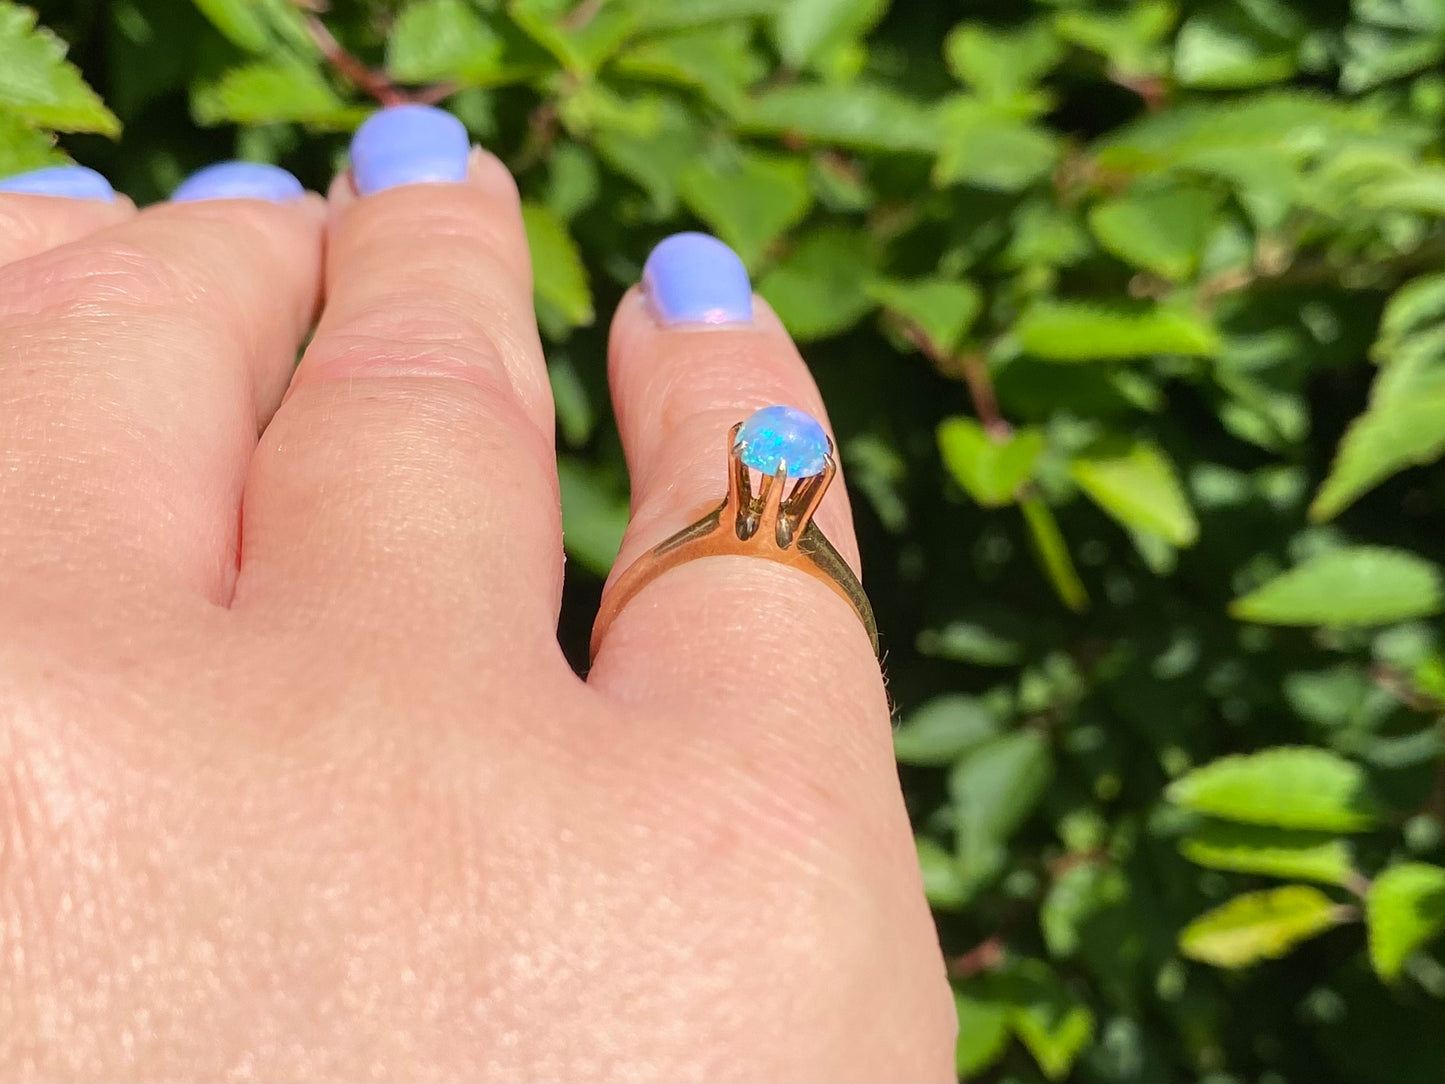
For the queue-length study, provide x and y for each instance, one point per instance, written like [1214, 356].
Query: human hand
[295, 781]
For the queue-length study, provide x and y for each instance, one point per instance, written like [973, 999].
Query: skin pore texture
[295, 782]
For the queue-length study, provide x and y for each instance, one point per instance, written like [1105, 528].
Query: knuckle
[455, 226]
[374, 346]
[98, 279]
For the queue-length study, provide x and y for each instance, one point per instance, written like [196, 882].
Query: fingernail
[408, 144]
[239, 180]
[71, 182]
[691, 278]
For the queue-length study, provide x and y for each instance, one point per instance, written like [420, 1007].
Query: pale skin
[295, 781]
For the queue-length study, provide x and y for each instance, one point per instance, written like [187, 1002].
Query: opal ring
[780, 443]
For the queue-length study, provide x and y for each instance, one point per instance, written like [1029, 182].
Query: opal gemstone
[783, 436]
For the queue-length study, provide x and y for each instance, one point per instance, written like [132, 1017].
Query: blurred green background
[1130, 320]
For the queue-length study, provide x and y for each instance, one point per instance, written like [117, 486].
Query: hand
[294, 779]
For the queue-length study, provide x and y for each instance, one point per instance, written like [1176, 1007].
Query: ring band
[765, 524]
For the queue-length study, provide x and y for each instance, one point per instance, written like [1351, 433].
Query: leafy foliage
[1114, 305]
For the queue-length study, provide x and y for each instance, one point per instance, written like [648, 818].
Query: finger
[48, 207]
[691, 355]
[137, 366]
[409, 475]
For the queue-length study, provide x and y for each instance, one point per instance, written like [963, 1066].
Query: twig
[985, 401]
[582, 14]
[373, 82]
[985, 956]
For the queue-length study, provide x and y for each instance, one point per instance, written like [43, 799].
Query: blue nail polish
[691, 278]
[72, 182]
[407, 144]
[239, 180]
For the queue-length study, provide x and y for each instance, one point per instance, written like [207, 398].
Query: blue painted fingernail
[407, 144]
[72, 182]
[691, 278]
[239, 180]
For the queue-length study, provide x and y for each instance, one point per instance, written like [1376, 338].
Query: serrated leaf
[444, 39]
[1350, 587]
[1404, 909]
[983, 1033]
[557, 268]
[1259, 925]
[267, 91]
[1053, 553]
[1161, 229]
[652, 149]
[990, 470]
[941, 310]
[807, 31]
[1077, 331]
[861, 115]
[23, 148]
[1287, 787]
[1404, 424]
[1130, 38]
[748, 198]
[943, 729]
[988, 145]
[820, 288]
[1002, 64]
[1134, 482]
[1275, 852]
[39, 86]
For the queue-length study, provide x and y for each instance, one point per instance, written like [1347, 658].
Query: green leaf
[1286, 787]
[992, 471]
[1075, 898]
[943, 729]
[719, 61]
[39, 86]
[243, 22]
[1129, 38]
[1002, 64]
[582, 38]
[942, 883]
[266, 91]
[820, 288]
[1078, 331]
[1222, 48]
[436, 40]
[1051, 1023]
[1349, 587]
[1404, 909]
[1134, 482]
[1404, 424]
[983, 1033]
[1275, 852]
[748, 198]
[681, 14]
[1259, 925]
[940, 310]
[1161, 229]
[557, 268]
[997, 784]
[23, 148]
[866, 116]
[808, 31]
[988, 145]
[652, 142]
[594, 514]
[1053, 553]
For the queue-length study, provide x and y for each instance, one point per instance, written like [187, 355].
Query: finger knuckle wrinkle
[372, 355]
[99, 279]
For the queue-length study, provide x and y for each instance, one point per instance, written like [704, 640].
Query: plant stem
[372, 82]
[985, 956]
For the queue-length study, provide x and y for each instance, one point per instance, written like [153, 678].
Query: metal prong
[740, 489]
[771, 495]
[806, 497]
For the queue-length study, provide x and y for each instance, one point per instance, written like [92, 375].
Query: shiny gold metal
[766, 525]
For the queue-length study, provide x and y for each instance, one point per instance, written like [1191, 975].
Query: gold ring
[765, 524]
